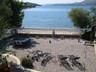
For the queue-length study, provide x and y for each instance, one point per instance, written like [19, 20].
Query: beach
[66, 47]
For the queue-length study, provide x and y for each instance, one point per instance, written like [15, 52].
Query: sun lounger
[74, 59]
[62, 60]
[46, 60]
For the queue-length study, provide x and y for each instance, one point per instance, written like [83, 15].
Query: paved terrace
[57, 46]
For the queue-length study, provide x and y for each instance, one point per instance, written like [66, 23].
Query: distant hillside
[30, 5]
[85, 2]
[89, 2]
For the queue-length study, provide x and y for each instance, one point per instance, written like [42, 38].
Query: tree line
[11, 14]
[83, 18]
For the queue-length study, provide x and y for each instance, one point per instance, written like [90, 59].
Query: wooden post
[92, 36]
[53, 34]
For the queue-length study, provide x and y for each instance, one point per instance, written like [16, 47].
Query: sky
[51, 1]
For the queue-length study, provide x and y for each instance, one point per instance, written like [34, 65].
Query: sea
[49, 16]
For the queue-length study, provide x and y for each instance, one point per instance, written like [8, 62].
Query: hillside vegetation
[30, 5]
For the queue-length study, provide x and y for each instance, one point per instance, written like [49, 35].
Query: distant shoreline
[48, 28]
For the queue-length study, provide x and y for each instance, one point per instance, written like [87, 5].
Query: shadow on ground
[25, 46]
[80, 67]
[66, 65]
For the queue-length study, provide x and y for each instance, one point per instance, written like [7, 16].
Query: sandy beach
[60, 47]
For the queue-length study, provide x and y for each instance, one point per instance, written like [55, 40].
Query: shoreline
[50, 28]
[47, 28]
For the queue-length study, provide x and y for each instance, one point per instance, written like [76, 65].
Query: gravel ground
[61, 47]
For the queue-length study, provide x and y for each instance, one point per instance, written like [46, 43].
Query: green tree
[93, 15]
[15, 20]
[11, 14]
[84, 19]
[5, 13]
[17, 16]
[3, 26]
[80, 17]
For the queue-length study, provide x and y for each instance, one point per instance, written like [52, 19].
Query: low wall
[66, 32]
[46, 32]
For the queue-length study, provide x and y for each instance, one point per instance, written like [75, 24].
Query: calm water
[49, 17]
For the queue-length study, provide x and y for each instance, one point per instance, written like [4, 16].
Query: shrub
[27, 63]
[90, 36]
